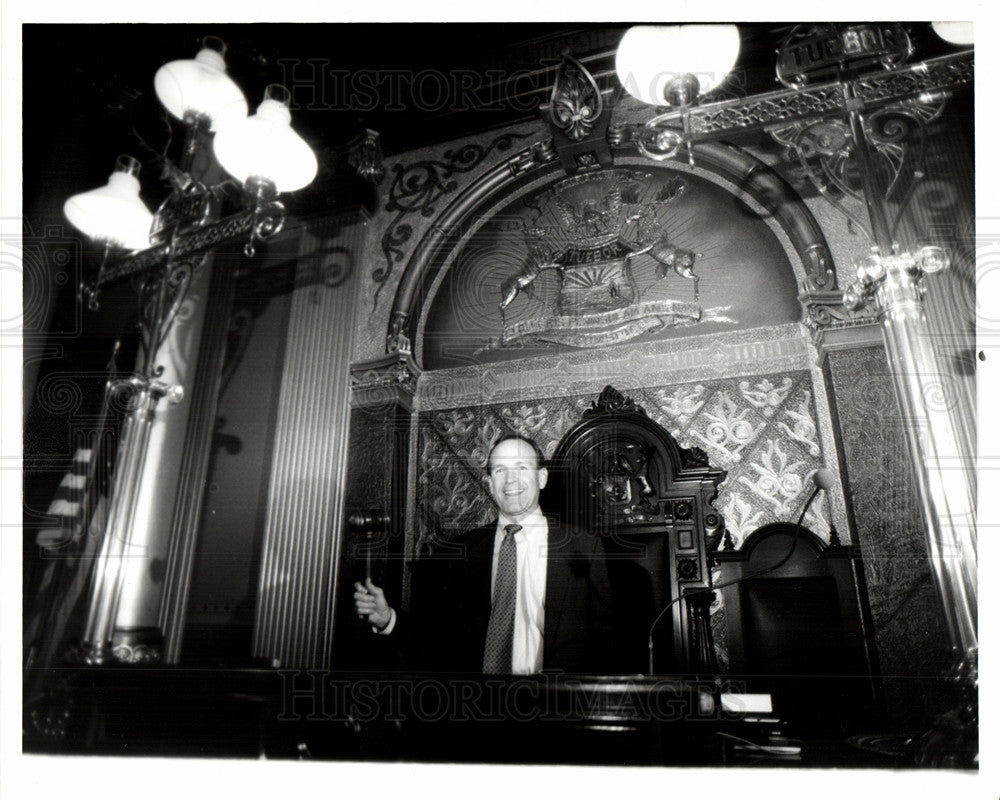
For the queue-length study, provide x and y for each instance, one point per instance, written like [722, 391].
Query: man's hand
[370, 604]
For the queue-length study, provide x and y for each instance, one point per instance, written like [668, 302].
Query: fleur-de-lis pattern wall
[762, 430]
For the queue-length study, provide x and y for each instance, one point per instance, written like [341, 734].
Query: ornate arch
[774, 197]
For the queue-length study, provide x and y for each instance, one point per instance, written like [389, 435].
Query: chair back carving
[622, 476]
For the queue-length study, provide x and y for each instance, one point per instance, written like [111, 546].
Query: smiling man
[519, 595]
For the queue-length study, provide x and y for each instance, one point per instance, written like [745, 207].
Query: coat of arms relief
[597, 246]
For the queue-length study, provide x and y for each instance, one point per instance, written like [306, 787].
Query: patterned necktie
[500, 633]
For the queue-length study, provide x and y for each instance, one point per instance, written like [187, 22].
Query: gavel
[368, 521]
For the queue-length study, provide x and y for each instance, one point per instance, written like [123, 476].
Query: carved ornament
[418, 188]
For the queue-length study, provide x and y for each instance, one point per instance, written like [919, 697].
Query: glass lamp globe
[264, 147]
[672, 64]
[200, 87]
[955, 32]
[113, 213]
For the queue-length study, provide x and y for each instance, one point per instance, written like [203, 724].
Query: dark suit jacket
[450, 610]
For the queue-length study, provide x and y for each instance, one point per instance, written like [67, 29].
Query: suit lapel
[557, 582]
[479, 570]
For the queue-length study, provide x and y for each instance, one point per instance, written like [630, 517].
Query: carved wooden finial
[613, 401]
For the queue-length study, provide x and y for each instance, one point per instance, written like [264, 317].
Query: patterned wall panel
[909, 624]
[762, 430]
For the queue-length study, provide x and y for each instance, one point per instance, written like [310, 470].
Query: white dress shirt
[529, 613]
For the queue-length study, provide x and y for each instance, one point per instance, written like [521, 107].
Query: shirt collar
[532, 525]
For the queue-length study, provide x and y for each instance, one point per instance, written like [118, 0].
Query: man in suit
[519, 595]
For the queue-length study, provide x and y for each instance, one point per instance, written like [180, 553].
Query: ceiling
[88, 88]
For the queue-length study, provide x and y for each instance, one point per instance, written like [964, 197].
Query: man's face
[515, 479]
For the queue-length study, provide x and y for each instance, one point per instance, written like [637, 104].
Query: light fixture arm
[713, 121]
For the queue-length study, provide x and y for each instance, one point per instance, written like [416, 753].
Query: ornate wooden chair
[621, 475]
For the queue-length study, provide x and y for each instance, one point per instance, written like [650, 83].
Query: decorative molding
[418, 188]
[576, 102]
[137, 646]
[611, 401]
[364, 155]
[786, 106]
[740, 353]
[203, 239]
[932, 77]
[390, 378]
[825, 151]
[826, 317]
[538, 154]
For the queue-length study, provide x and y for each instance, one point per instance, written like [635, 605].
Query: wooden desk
[287, 714]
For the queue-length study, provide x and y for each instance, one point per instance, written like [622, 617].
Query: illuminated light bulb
[113, 213]
[200, 88]
[265, 148]
[673, 64]
[955, 32]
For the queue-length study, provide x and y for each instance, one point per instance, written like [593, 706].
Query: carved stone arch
[756, 180]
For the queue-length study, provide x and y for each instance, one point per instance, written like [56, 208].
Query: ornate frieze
[654, 363]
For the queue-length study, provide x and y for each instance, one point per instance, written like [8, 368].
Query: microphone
[824, 480]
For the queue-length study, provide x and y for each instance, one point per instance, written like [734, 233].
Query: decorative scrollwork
[576, 103]
[823, 310]
[934, 75]
[824, 149]
[418, 188]
[160, 298]
[268, 220]
[205, 238]
[768, 109]
[819, 270]
[531, 157]
[614, 402]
